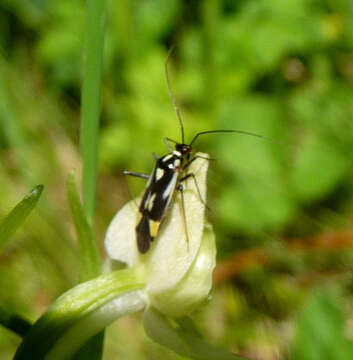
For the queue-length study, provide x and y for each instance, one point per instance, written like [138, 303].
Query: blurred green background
[282, 211]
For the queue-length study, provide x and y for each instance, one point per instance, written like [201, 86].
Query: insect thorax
[171, 161]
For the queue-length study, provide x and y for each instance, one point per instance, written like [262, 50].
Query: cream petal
[195, 286]
[120, 239]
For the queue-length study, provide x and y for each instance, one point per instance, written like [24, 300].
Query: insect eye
[183, 148]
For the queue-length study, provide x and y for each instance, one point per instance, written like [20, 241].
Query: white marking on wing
[151, 201]
[159, 173]
[167, 157]
[171, 186]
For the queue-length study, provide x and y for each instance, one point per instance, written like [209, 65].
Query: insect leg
[197, 187]
[189, 162]
[167, 144]
[181, 189]
[136, 174]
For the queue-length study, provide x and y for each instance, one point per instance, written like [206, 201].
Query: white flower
[178, 268]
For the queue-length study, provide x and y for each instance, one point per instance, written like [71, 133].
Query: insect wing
[155, 201]
[143, 233]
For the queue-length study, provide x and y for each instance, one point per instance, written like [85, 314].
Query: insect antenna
[175, 105]
[231, 131]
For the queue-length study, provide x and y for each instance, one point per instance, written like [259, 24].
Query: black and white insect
[169, 172]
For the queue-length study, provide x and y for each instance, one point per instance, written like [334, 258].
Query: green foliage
[320, 331]
[278, 68]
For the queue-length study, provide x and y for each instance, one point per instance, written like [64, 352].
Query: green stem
[82, 312]
[125, 304]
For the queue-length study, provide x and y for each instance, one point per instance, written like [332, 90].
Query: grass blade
[94, 42]
[18, 215]
[89, 253]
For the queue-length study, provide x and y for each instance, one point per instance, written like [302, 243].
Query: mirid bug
[167, 176]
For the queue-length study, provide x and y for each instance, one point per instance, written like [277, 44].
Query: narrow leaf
[94, 44]
[14, 322]
[181, 340]
[90, 99]
[18, 215]
[90, 260]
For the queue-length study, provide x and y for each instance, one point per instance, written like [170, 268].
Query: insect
[168, 174]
